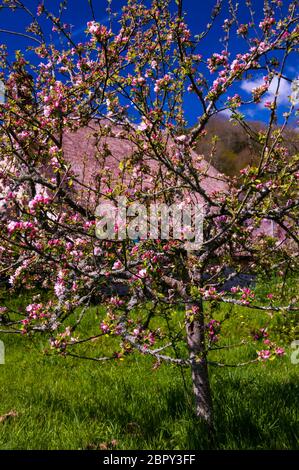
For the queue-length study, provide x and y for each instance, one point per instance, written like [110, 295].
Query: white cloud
[226, 112]
[283, 93]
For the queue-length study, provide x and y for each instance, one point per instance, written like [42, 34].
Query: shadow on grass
[248, 414]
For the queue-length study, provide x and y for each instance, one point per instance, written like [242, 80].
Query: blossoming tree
[128, 81]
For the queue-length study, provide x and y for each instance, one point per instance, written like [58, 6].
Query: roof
[90, 152]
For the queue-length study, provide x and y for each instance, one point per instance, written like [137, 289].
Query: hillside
[229, 148]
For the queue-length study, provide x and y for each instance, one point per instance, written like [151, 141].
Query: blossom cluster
[100, 32]
[245, 294]
[38, 200]
[61, 341]
[22, 227]
[213, 329]
[272, 350]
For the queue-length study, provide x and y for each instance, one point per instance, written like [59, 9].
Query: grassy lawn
[65, 403]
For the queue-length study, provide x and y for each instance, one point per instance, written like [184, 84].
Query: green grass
[65, 403]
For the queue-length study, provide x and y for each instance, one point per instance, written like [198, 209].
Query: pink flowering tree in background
[127, 83]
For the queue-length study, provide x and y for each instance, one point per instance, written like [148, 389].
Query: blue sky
[198, 15]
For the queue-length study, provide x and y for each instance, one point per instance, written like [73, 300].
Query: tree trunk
[199, 367]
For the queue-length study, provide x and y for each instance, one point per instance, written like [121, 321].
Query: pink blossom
[53, 150]
[38, 199]
[143, 126]
[47, 111]
[13, 226]
[100, 31]
[268, 104]
[243, 29]
[266, 24]
[116, 301]
[216, 60]
[151, 338]
[162, 83]
[93, 27]
[214, 327]
[134, 250]
[263, 47]
[285, 35]
[23, 135]
[138, 81]
[35, 311]
[261, 333]
[97, 251]
[59, 289]
[40, 9]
